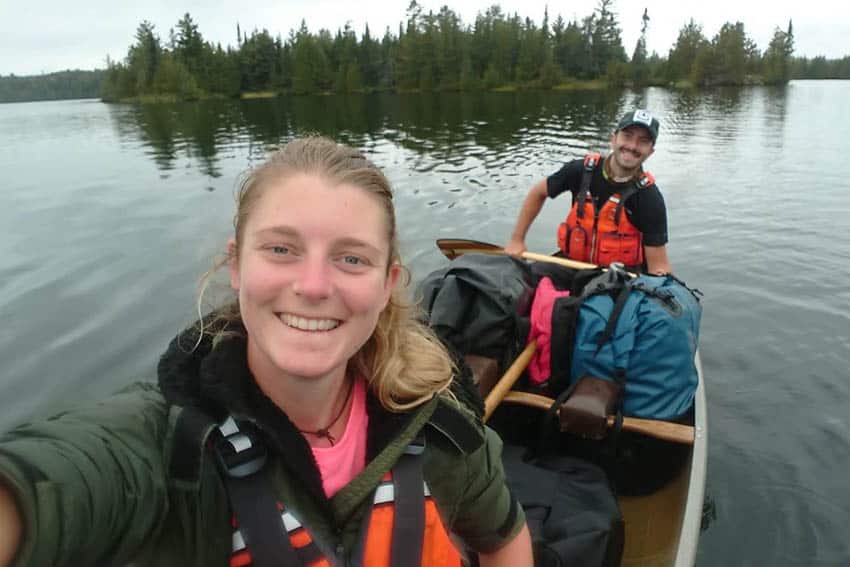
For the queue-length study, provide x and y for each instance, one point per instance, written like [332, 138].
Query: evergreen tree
[143, 58]
[776, 64]
[606, 46]
[734, 54]
[690, 43]
[640, 71]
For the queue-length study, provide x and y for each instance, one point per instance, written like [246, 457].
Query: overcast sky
[38, 36]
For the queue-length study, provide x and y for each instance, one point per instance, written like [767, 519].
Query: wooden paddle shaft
[555, 260]
[666, 430]
[454, 247]
[507, 381]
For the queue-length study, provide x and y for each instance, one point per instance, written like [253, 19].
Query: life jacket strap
[590, 161]
[409, 514]
[618, 210]
[241, 457]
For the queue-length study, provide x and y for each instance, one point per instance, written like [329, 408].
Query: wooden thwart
[666, 430]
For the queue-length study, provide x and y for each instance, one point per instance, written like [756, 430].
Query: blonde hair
[403, 361]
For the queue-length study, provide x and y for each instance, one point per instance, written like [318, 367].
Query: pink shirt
[339, 464]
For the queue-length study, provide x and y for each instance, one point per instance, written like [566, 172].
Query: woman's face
[311, 275]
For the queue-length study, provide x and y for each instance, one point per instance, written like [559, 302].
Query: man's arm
[657, 262]
[530, 209]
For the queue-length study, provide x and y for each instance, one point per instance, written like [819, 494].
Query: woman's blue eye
[354, 260]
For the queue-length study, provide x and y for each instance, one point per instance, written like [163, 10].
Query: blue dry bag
[644, 330]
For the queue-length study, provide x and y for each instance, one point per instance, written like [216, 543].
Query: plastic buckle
[416, 447]
[590, 161]
[238, 453]
[646, 179]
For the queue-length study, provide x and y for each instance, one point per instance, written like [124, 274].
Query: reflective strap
[240, 442]
[237, 542]
[290, 522]
[386, 492]
[229, 427]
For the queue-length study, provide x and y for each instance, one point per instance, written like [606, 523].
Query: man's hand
[515, 248]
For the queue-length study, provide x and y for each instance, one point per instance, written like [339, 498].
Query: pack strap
[241, 458]
[590, 161]
[611, 325]
[618, 211]
[406, 492]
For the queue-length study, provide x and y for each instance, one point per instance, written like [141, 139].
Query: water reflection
[444, 125]
[107, 229]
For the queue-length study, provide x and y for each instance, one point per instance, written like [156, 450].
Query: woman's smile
[308, 323]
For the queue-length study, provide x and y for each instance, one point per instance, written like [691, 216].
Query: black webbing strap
[241, 458]
[409, 513]
[584, 188]
[611, 326]
[255, 508]
[619, 209]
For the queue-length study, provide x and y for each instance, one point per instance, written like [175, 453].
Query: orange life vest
[416, 536]
[606, 235]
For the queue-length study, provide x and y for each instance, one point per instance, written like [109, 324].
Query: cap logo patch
[643, 116]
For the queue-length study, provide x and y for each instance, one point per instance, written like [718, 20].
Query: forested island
[429, 52]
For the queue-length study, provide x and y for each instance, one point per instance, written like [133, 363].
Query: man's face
[630, 147]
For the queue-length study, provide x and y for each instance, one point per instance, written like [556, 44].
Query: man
[618, 213]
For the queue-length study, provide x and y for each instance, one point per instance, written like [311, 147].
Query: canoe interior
[654, 523]
[653, 492]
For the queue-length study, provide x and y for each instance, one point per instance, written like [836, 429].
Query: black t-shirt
[645, 208]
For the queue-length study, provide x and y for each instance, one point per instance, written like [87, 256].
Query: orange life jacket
[403, 527]
[606, 235]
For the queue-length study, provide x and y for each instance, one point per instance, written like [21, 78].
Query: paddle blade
[454, 247]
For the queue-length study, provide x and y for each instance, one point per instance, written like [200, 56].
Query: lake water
[110, 213]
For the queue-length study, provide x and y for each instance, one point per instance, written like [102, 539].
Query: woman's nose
[313, 279]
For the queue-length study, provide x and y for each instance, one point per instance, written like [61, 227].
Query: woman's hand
[517, 553]
[10, 527]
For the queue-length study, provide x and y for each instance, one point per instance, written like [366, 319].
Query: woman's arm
[517, 553]
[94, 476]
[11, 528]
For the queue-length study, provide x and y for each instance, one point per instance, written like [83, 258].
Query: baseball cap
[640, 117]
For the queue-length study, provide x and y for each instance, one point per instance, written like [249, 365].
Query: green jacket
[128, 480]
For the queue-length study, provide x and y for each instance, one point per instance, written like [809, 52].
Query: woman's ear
[233, 264]
[393, 277]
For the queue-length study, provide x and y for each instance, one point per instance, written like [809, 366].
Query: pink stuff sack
[541, 329]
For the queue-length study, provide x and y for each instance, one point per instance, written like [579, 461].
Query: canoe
[662, 527]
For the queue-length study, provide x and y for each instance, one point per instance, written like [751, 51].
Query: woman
[295, 427]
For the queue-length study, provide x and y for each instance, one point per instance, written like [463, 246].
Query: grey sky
[50, 35]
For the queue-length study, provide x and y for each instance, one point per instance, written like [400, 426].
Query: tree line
[439, 52]
[53, 86]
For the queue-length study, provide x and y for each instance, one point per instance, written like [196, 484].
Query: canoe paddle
[507, 381]
[454, 247]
